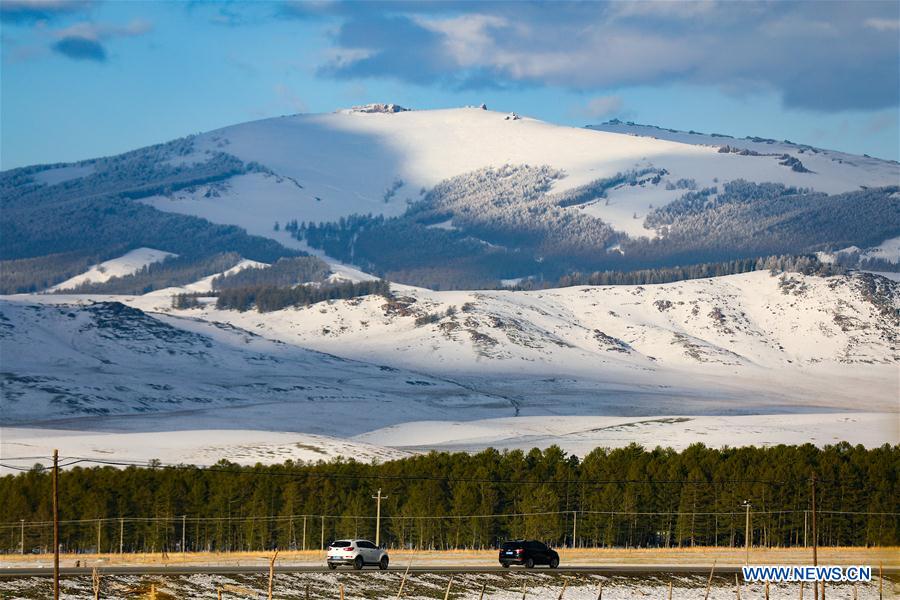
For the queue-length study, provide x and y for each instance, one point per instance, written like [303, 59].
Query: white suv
[357, 553]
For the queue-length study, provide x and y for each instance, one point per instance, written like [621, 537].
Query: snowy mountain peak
[379, 108]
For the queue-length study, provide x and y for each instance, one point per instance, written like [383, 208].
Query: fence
[581, 529]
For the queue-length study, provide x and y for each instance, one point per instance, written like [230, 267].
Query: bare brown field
[888, 556]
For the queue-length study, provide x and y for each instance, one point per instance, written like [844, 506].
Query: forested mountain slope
[455, 198]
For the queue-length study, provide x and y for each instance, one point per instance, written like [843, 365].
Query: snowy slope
[80, 364]
[331, 165]
[736, 342]
[127, 264]
[772, 359]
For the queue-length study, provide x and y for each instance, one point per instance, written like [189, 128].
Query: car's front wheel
[383, 564]
[529, 563]
[554, 562]
[358, 563]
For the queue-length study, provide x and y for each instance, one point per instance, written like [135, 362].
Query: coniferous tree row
[807, 265]
[625, 497]
[267, 298]
[494, 224]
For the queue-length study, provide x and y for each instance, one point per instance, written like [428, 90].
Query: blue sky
[84, 78]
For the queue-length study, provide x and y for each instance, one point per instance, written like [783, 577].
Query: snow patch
[127, 264]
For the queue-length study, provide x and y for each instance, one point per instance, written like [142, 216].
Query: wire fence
[187, 533]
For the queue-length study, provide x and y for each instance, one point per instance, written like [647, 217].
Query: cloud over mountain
[817, 56]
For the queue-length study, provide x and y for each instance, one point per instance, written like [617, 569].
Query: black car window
[365, 544]
[339, 544]
[511, 545]
[532, 545]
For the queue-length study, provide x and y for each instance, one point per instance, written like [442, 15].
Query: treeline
[807, 265]
[751, 219]
[269, 298]
[29, 275]
[172, 272]
[285, 272]
[626, 497]
[96, 214]
[476, 229]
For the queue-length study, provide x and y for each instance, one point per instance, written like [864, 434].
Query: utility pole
[55, 524]
[303, 545]
[322, 541]
[815, 538]
[183, 528]
[121, 534]
[378, 498]
[747, 534]
[99, 520]
[22, 536]
[574, 527]
[805, 528]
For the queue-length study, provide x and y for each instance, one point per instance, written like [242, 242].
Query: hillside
[610, 365]
[84, 363]
[456, 198]
[801, 330]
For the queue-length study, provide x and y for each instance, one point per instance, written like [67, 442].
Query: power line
[276, 518]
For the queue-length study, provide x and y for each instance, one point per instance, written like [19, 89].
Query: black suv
[528, 553]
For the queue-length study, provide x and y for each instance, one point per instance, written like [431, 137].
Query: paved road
[247, 570]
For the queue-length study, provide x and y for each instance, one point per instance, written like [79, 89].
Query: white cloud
[883, 24]
[819, 56]
[102, 31]
[603, 106]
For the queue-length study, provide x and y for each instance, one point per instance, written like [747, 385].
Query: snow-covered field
[577, 435]
[580, 435]
[194, 447]
[422, 586]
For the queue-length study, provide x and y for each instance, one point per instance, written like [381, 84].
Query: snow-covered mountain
[328, 166]
[638, 363]
[445, 198]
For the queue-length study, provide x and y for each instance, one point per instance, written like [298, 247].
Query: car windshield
[339, 544]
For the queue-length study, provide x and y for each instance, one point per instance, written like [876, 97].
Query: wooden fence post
[95, 581]
[342, 591]
[709, 581]
[562, 592]
[449, 583]
[737, 586]
[802, 584]
[524, 590]
[403, 581]
[767, 589]
[600, 591]
[481, 595]
[881, 581]
[272, 572]
[670, 591]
